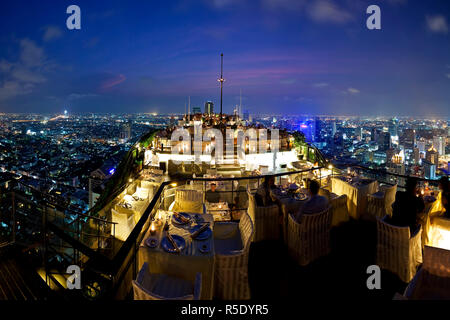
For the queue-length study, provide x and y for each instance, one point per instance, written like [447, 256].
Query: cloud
[113, 82]
[320, 85]
[288, 81]
[51, 33]
[22, 76]
[222, 3]
[397, 2]
[283, 4]
[77, 96]
[353, 91]
[437, 24]
[327, 11]
[31, 55]
[448, 75]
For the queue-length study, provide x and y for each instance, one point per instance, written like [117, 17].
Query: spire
[189, 108]
[240, 103]
[221, 80]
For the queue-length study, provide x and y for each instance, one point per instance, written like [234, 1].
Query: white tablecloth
[186, 264]
[356, 195]
[220, 214]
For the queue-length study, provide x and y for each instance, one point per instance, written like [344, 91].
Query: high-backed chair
[149, 286]
[231, 263]
[265, 220]
[125, 224]
[339, 209]
[397, 250]
[309, 239]
[380, 203]
[188, 200]
[143, 193]
[264, 169]
[433, 279]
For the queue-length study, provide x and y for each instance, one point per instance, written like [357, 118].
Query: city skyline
[296, 57]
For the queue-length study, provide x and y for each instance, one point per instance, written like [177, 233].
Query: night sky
[287, 56]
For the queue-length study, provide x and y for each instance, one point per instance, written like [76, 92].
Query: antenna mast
[221, 80]
[240, 103]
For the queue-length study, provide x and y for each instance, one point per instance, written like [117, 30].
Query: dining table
[196, 256]
[290, 202]
[356, 189]
[220, 210]
[132, 205]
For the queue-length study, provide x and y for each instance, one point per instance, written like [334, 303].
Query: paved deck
[17, 282]
[341, 275]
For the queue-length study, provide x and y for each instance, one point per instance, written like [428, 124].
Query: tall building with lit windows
[439, 144]
[209, 107]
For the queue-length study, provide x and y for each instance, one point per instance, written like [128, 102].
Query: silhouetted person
[263, 195]
[407, 205]
[444, 186]
[212, 195]
[316, 203]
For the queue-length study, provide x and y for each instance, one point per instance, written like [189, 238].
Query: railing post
[98, 235]
[14, 217]
[232, 198]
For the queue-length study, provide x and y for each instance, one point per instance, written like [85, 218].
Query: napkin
[173, 242]
[181, 217]
[196, 233]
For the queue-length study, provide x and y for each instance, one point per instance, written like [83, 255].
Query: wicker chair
[125, 224]
[309, 239]
[397, 250]
[188, 200]
[265, 220]
[339, 210]
[149, 286]
[380, 203]
[231, 265]
[433, 279]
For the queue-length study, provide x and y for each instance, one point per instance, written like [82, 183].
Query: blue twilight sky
[287, 56]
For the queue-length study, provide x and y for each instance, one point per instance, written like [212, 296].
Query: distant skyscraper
[416, 156]
[430, 169]
[439, 144]
[318, 130]
[374, 134]
[409, 138]
[196, 110]
[432, 156]
[359, 133]
[421, 145]
[393, 127]
[384, 141]
[333, 128]
[209, 107]
[307, 128]
[126, 131]
[246, 115]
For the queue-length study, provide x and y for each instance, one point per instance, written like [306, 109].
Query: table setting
[219, 210]
[356, 189]
[176, 240]
[291, 199]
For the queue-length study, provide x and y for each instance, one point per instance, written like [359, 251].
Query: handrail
[92, 254]
[55, 204]
[389, 173]
[255, 177]
[131, 240]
